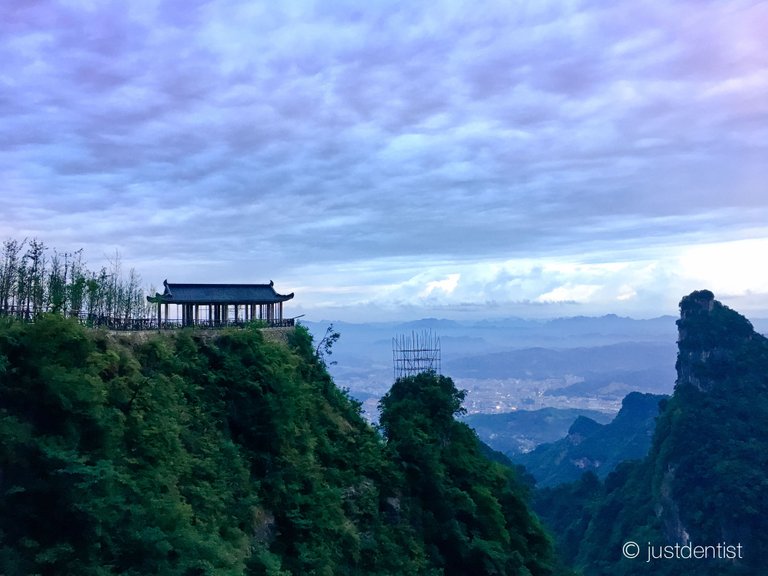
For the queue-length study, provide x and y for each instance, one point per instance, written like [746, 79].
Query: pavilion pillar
[280, 311]
[237, 310]
[167, 310]
[159, 315]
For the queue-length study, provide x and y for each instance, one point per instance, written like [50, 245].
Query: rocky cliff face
[709, 457]
[704, 481]
[709, 337]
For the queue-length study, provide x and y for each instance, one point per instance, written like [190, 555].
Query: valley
[506, 365]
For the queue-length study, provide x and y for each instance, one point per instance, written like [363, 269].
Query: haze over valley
[515, 364]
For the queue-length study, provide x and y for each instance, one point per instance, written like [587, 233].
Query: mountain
[619, 383]
[549, 363]
[522, 430]
[198, 452]
[590, 445]
[609, 324]
[510, 363]
[698, 503]
[469, 512]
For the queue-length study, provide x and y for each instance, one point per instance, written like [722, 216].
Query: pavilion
[220, 304]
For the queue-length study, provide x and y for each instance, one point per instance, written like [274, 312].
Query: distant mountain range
[625, 357]
[517, 432]
[702, 485]
[592, 446]
[581, 362]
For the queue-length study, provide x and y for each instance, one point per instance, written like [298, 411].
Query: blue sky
[398, 160]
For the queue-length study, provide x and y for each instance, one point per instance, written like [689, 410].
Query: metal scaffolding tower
[416, 353]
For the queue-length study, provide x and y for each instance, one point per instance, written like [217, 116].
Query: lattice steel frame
[416, 353]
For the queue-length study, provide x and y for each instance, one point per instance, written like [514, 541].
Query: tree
[8, 278]
[325, 346]
[470, 511]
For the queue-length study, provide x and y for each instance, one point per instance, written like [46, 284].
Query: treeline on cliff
[190, 454]
[35, 279]
[704, 480]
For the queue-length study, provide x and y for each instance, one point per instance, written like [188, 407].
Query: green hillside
[591, 446]
[516, 432]
[199, 453]
[703, 482]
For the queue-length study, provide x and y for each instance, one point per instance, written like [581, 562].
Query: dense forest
[704, 480]
[591, 446]
[35, 279]
[192, 453]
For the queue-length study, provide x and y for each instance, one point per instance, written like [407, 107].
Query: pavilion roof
[219, 294]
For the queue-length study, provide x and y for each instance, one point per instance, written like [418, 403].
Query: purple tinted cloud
[302, 134]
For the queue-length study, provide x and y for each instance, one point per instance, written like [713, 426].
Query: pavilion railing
[137, 324]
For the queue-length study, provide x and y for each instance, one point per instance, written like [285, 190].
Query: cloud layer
[386, 156]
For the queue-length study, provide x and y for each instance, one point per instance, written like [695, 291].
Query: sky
[398, 160]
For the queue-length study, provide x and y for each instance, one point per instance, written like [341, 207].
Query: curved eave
[164, 299]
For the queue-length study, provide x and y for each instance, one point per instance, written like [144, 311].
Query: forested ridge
[36, 279]
[226, 453]
[591, 446]
[704, 480]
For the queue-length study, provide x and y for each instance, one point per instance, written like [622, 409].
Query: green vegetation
[519, 431]
[35, 279]
[591, 446]
[704, 480]
[469, 512]
[191, 454]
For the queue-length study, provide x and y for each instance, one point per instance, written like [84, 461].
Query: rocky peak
[582, 428]
[709, 337]
[697, 302]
